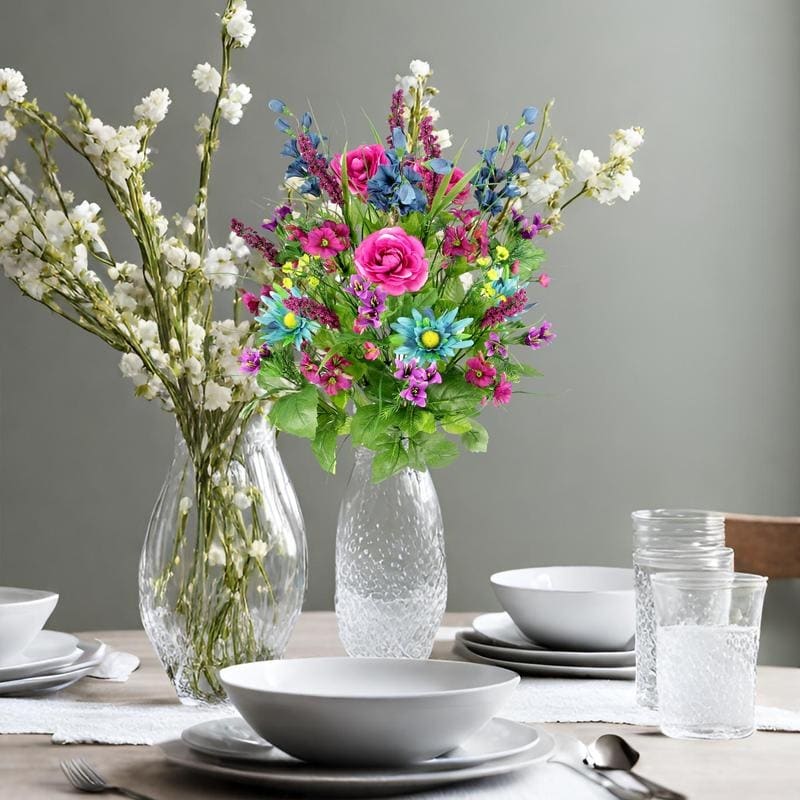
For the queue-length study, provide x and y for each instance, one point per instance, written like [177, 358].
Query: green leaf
[368, 428]
[426, 422]
[296, 413]
[325, 441]
[476, 440]
[390, 458]
[457, 425]
[437, 450]
[454, 397]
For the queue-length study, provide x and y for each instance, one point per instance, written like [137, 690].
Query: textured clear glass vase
[391, 575]
[223, 568]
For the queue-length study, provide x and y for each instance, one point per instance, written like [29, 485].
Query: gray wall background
[674, 380]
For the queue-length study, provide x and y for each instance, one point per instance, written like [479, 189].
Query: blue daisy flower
[280, 325]
[429, 338]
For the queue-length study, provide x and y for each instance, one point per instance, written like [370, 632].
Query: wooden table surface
[765, 766]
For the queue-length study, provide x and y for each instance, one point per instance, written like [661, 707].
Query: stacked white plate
[495, 639]
[52, 661]
[229, 748]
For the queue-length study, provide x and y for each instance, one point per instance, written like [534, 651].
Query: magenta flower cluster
[330, 375]
[312, 309]
[371, 303]
[417, 379]
[256, 241]
[510, 307]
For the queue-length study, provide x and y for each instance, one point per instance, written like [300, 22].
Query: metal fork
[84, 777]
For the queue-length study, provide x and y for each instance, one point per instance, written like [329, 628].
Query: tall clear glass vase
[223, 568]
[391, 575]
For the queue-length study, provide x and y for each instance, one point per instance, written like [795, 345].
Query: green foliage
[296, 412]
[390, 457]
[476, 439]
[330, 425]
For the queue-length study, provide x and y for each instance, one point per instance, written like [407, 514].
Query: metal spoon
[572, 754]
[613, 752]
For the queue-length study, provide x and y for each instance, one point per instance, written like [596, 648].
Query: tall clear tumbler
[707, 635]
[647, 563]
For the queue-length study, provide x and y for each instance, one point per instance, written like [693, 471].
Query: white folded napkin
[116, 666]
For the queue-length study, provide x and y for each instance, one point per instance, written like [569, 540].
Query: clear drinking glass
[708, 630]
[675, 529]
[647, 563]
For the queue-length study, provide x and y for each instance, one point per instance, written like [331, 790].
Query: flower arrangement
[401, 282]
[159, 313]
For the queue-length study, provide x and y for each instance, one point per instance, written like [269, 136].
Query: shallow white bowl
[23, 613]
[366, 711]
[570, 608]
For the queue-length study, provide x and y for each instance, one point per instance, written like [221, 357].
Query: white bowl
[570, 608]
[366, 711]
[23, 613]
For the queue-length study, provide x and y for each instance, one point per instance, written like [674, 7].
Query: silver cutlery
[84, 777]
[572, 754]
[613, 752]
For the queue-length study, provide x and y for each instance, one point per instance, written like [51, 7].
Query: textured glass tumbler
[707, 632]
[391, 576]
[647, 563]
[677, 529]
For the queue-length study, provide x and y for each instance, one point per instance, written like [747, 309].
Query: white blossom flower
[7, 134]
[131, 366]
[218, 398]
[587, 165]
[239, 249]
[147, 331]
[420, 69]
[239, 25]
[185, 504]
[544, 187]
[231, 107]
[220, 268]
[242, 500]
[153, 107]
[443, 138]
[12, 86]
[206, 78]
[203, 124]
[257, 549]
[625, 142]
[85, 218]
[216, 555]
[608, 188]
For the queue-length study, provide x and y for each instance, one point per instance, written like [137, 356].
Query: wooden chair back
[764, 545]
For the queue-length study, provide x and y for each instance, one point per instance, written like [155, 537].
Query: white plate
[233, 738]
[48, 650]
[91, 654]
[500, 628]
[330, 782]
[547, 670]
[483, 646]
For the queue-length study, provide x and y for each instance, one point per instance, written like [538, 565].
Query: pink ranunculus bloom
[394, 260]
[502, 391]
[371, 351]
[362, 164]
[327, 240]
[479, 372]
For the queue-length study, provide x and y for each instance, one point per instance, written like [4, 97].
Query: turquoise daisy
[430, 338]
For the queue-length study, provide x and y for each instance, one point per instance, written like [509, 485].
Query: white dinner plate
[462, 649]
[91, 654]
[483, 646]
[48, 650]
[233, 738]
[500, 628]
[308, 779]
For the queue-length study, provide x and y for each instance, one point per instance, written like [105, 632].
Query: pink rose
[393, 260]
[362, 164]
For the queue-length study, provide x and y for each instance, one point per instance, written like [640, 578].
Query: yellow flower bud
[501, 253]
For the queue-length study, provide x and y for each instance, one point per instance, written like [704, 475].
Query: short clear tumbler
[707, 635]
